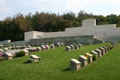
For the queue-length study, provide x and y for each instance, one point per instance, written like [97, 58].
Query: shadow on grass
[27, 62]
[66, 69]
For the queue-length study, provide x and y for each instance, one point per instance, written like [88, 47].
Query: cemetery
[58, 60]
[63, 55]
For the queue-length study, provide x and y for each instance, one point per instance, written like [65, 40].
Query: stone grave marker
[80, 45]
[99, 52]
[43, 47]
[90, 57]
[8, 56]
[58, 44]
[106, 49]
[103, 50]
[52, 46]
[72, 47]
[95, 53]
[47, 47]
[83, 60]
[75, 64]
[76, 46]
[35, 58]
[26, 52]
[68, 48]
[39, 49]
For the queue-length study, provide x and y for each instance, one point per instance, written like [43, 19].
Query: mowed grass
[55, 65]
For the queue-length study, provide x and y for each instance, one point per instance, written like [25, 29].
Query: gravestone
[47, 47]
[106, 49]
[95, 53]
[39, 49]
[72, 47]
[26, 52]
[103, 50]
[6, 49]
[83, 60]
[58, 45]
[75, 64]
[76, 46]
[62, 44]
[52, 46]
[35, 58]
[80, 45]
[99, 52]
[32, 49]
[43, 47]
[90, 57]
[68, 48]
[8, 56]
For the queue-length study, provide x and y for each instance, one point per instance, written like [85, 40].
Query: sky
[98, 7]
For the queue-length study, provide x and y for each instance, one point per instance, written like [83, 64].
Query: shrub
[88, 59]
[94, 57]
[20, 54]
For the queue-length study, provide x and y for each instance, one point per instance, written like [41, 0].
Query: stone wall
[68, 40]
[106, 32]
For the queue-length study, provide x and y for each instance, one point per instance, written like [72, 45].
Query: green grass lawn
[55, 65]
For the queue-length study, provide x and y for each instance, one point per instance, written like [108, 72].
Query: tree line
[14, 28]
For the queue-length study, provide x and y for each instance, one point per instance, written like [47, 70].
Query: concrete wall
[89, 22]
[73, 39]
[106, 32]
[53, 34]
[32, 35]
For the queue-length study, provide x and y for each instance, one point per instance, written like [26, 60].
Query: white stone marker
[96, 54]
[8, 56]
[75, 64]
[26, 52]
[39, 49]
[62, 44]
[76, 46]
[72, 47]
[68, 48]
[106, 49]
[47, 47]
[43, 47]
[35, 58]
[52, 46]
[58, 45]
[83, 60]
[99, 52]
[80, 45]
[103, 50]
[90, 57]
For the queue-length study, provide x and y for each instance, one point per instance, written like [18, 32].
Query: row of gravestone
[73, 47]
[88, 58]
[46, 47]
[10, 55]
[35, 58]
[8, 47]
[58, 44]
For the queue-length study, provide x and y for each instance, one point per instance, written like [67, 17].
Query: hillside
[55, 66]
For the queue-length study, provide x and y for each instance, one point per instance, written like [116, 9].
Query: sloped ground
[55, 66]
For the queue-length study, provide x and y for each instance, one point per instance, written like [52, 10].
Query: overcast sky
[12, 7]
